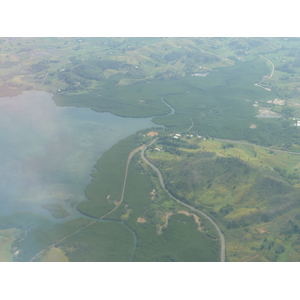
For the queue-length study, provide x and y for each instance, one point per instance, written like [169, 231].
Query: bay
[47, 152]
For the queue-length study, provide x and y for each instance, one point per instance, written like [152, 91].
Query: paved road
[161, 180]
[189, 206]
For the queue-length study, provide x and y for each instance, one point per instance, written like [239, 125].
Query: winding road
[118, 204]
[161, 180]
[273, 67]
[125, 179]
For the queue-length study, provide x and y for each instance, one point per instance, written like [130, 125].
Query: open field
[7, 236]
[54, 255]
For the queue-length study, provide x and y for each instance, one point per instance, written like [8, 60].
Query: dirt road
[125, 179]
[191, 125]
[273, 67]
[92, 222]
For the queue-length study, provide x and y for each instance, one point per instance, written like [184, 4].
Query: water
[47, 153]
[172, 108]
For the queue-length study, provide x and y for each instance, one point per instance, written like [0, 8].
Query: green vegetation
[220, 104]
[128, 77]
[56, 210]
[7, 236]
[252, 193]
[180, 241]
[239, 89]
[138, 100]
[54, 255]
[102, 241]
[39, 233]
[106, 187]
[145, 209]
[32, 234]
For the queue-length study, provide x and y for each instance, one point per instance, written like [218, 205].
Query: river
[171, 107]
[48, 152]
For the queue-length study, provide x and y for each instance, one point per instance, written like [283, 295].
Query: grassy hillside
[158, 222]
[252, 193]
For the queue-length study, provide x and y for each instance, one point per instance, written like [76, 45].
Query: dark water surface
[47, 153]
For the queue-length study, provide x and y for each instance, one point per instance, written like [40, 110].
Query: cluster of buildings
[297, 121]
[178, 135]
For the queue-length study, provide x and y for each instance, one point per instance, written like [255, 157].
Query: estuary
[48, 152]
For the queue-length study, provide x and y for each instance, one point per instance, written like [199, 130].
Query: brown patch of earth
[141, 220]
[160, 227]
[168, 215]
[267, 113]
[246, 260]
[294, 104]
[261, 231]
[153, 193]
[265, 88]
[152, 133]
[196, 218]
[279, 102]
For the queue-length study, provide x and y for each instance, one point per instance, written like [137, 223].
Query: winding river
[172, 108]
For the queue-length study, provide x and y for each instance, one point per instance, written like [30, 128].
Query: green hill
[255, 204]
